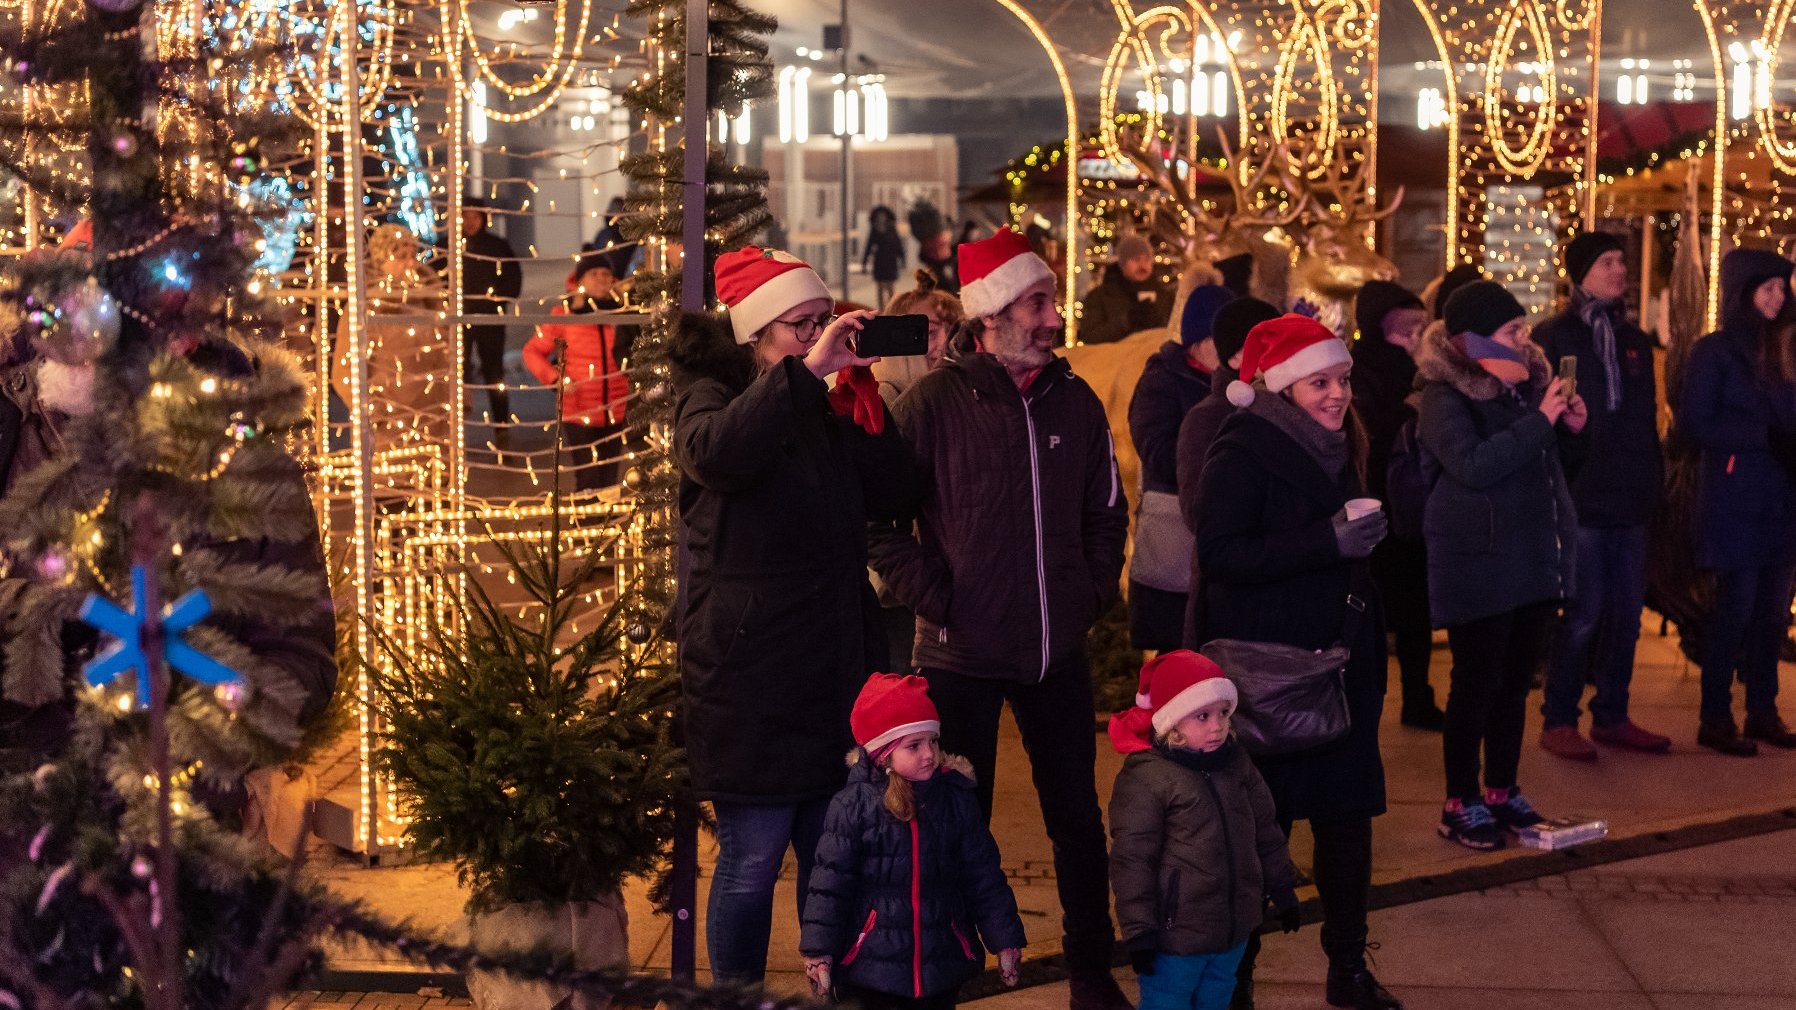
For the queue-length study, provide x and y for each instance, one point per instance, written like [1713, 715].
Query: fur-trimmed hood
[704, 347]
[949, 763]
[1440, 361]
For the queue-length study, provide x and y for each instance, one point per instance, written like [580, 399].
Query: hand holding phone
[893, 336]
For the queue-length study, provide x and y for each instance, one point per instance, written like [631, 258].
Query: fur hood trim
[1441, 361]
[704, 347]
[949, 763]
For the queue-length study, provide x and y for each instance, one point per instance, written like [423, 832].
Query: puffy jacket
[907, 908]
[777, 625]
[1613, 466]
[1195, 849]
[1500, 526]
[1020, 542]
[597, 387]
[1167, 390]
[1118, 307]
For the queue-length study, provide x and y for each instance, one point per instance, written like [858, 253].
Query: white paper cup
[1359, 508]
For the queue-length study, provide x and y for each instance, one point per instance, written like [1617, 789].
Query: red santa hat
[1284, 350]
[996, 271]
[891, 707]
[759, 285]
[1173, 685]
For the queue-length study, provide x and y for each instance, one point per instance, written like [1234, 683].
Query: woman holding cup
[1282, 542]
[1500, 530]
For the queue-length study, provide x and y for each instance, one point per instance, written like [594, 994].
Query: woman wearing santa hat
[777, 625]
[1280, 560]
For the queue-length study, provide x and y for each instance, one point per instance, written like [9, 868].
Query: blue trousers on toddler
[1191, 981]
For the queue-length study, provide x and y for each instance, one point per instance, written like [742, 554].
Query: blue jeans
[1600, 629]
[1752, 613]
[752, 839]
[1191, 981]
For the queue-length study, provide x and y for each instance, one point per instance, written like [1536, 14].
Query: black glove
[1290, 919]
[1356, 538]
[1142, 961]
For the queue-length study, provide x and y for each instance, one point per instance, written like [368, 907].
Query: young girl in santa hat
[906, 884]
[1195, 846]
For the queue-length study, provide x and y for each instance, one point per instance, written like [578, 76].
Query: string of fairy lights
[408, 102]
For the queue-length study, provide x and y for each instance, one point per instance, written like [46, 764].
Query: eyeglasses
[807, 325]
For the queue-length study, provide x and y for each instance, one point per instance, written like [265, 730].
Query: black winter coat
[1614, 467]
[1020, 543]
[1271, 573]
[1194, 853]
[488, 269]
[777, 625]
[1384, 376]
[1746, 500]
[1167, 390]
[1197, 432]
[1500, 526]
[1118, 307]
[907, 908]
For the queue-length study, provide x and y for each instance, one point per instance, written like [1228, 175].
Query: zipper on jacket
[855, 951]
[1041, 573]
[916, 908]
[1228, 844]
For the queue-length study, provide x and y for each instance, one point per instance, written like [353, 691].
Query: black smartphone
[893, 336]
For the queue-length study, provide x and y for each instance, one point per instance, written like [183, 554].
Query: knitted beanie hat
[1582, 252]
[1197, 323]
[1234, 321]
[1377, 300]
[1481, 307]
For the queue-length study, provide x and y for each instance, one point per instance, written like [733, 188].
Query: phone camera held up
[893, 336]
[1568, 374]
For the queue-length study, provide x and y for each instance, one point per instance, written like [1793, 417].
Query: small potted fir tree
[535, 753]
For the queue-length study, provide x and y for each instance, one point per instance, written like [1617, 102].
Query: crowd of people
[959, 517]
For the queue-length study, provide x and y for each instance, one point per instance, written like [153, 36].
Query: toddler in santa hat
[1195, 846]
[906, 893]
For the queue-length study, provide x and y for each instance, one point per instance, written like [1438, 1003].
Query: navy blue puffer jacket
[907, 908]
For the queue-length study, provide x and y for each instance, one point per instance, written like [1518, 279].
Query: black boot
[1423, 715]
[1724, 738]
[1243, 998]
[1770, 729]
[1352, 984]
[1096, 993]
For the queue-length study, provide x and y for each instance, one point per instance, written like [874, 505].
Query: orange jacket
[597, 387]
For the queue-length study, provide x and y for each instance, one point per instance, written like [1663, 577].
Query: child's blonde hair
[901, 801]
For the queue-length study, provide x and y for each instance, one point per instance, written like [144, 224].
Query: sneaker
[1771, 730]
[1568, 743]
[1511, 809]
[1471, 825]
[1723, 738]
[1628, 736]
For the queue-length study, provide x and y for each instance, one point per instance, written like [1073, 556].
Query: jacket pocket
[1169, 900]
[855, 951]
[965, 946]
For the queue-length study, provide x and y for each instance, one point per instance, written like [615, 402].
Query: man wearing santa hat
[1018, 550]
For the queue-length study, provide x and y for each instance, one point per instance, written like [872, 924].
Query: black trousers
[1058, 727]
[1342, 865]
[584, 442]
[1400, 568]
[1494, 659]
[871, 999]
[488, 344]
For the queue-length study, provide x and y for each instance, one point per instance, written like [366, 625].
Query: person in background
[1738, 405]
[491, 280]
[587, 359]
[1228, 332]
[1018, 549]
[777, 626]
[884, 251]
[1187, 803]
[1502, 534]
[609, 241]
[1176, 379]
[1130, 299]
[1616, 475]
[907, 894]
[410, 360]
[1280, 561]
[896, 375]
[1390, 322]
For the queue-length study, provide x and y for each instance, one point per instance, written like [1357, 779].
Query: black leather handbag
[1290, 699]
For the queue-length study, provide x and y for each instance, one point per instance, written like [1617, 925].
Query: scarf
[1600, 314]
[1506, 363]
[1328, 448]
[856, 397]
[1201, 761]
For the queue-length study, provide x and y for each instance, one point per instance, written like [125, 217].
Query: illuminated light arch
[1132, 39]
[1452, 101]
[1718, 181]
[1072, 158]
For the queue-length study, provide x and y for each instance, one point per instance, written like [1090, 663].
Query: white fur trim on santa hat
[988, 295]
[771, 300]
[1204, 692]
[900, 732]
[1312, 359]
[67, 388]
